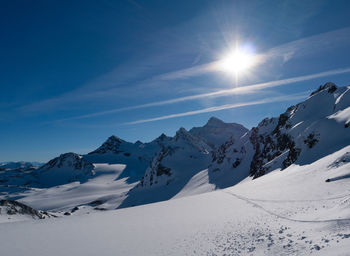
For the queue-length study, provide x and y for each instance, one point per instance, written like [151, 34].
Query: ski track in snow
[251, 201]
[269, 234]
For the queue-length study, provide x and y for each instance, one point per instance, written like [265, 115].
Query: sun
[236, 61]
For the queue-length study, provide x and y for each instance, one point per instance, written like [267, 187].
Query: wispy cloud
[249, 89]
[187, 72]
[311, 45]
[140, 75]
[221, 107]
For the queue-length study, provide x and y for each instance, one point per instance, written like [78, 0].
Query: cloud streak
[221, 107]
[249, 89]
[136, 74]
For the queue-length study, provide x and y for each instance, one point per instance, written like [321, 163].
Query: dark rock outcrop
[11, 207]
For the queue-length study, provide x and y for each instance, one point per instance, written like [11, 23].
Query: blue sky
[75, 72]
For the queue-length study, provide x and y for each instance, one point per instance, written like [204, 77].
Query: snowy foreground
[289, 212]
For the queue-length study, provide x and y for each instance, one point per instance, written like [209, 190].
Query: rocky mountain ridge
[302, 134]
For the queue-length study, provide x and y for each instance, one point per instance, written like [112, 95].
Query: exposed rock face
[10, 207]
[157, 172]
[220, 154]
[329, 86]
[270, 144]
[311, 139]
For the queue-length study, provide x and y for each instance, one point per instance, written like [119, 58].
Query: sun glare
[236, 61]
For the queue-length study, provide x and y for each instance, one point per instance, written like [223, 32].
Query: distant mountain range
[20, 165]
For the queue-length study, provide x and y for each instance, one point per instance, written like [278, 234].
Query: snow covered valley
[293, 212]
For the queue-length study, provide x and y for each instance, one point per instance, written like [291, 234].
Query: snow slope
[105, 191]
[289, 212]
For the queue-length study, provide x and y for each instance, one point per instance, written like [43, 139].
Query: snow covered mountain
[179, 159]
[64, 169]
[303, 134]
[217, 155]
[215, 132]
[166, 163]
[136, 156]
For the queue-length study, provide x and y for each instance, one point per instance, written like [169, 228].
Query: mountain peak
[162, 137]
[110, 145]
[138, 142]
[113, 139]
[216, 132]
[214, 121]
[181, 133]
[331, 87]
